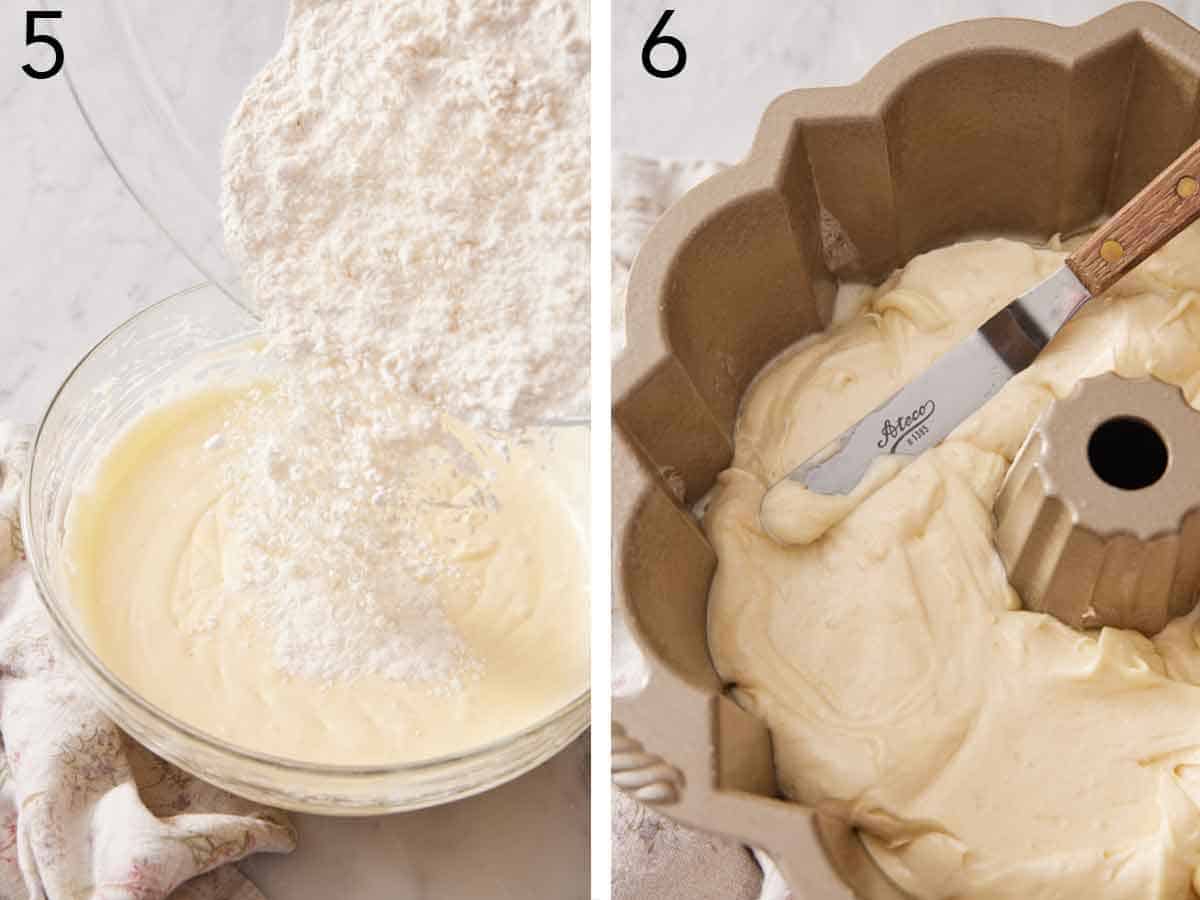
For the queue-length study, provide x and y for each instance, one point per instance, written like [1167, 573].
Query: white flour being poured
[406, 192]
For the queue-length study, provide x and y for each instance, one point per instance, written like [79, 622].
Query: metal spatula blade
[922, 413]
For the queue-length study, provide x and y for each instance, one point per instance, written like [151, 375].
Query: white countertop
[528, 839]
[79, 257]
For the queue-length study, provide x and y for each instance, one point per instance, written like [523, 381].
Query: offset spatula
[927, 409]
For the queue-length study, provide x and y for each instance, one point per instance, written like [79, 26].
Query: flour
[406, 192]
[321, 509]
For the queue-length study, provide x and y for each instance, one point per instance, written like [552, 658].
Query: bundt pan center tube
[1097, 521]
[992, 127]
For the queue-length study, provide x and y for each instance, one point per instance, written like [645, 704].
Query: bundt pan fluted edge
[988, 127]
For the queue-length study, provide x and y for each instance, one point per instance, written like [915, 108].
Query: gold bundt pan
[989, 127]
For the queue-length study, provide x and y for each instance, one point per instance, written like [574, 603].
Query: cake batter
[153, 555]
[981, 750]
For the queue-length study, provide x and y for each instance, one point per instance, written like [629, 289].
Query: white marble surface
[79, 257]
[528, 839]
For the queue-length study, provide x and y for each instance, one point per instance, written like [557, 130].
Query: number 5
[32, 37]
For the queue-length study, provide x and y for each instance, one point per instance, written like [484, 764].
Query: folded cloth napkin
[654, 858]
[657, 859]
[85, 812]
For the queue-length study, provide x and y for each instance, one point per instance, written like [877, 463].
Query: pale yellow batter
[983, 751]
[149, 549]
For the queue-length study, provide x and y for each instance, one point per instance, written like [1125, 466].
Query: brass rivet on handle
[1186, 186]
[1111, 251]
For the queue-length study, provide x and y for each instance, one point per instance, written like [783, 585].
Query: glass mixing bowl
[157, 84]
[200, 332]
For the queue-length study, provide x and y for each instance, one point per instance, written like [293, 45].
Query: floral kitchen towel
[657, 859]
[86, 813]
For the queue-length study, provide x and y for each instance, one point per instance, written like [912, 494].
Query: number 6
[656, 38]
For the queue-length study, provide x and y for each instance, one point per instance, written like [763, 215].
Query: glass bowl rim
[136, 192]
[83, 652]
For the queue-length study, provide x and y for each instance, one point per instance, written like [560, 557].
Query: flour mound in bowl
[406, 190]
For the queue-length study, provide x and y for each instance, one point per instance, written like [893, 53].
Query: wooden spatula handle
[1160, 211]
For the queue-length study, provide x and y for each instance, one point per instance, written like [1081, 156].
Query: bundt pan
[987, 127]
